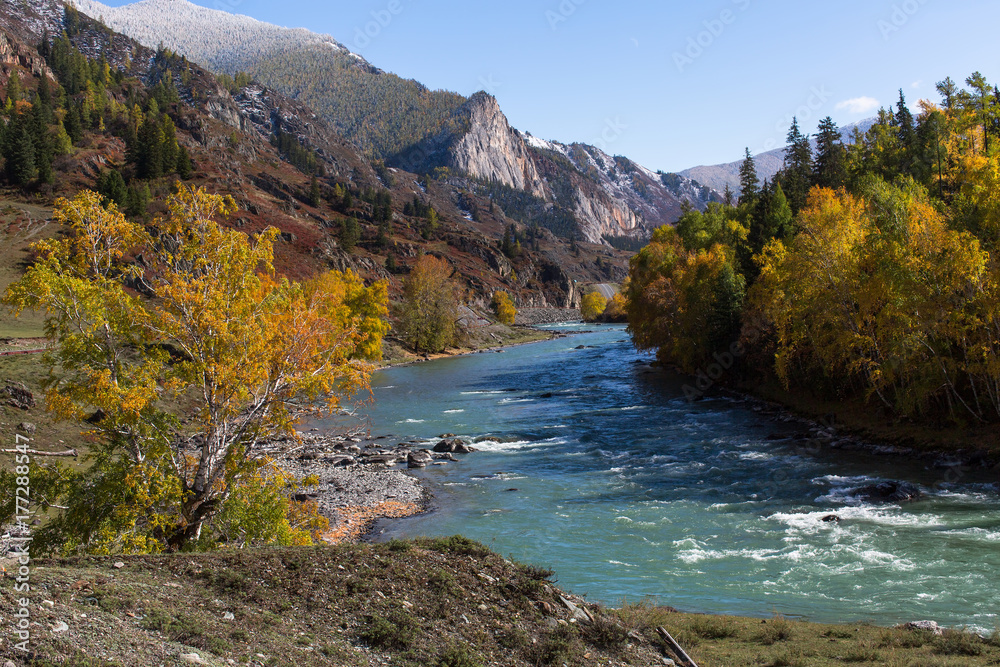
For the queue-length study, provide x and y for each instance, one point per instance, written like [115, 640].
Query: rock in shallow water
[888, 492]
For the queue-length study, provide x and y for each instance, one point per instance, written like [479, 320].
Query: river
[608, 475]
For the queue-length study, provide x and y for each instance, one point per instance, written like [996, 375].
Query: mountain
[361, 101]
[768, 164]
[576, 191]
[285, 165]
[608, 196]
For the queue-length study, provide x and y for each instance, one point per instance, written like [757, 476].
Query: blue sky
[671, 84]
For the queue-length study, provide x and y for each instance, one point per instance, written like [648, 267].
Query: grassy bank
[446, 602]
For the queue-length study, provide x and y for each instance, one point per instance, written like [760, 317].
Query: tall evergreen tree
[315, 196]
[44, 148]
[111, 186]
[907, 146]
[749, 183]
[947, 90]
[15, 92]
[772, 218]
[168, 154]
[982, 90]
[796, 175]
[830, 169]
[19, 152]
[184, 165]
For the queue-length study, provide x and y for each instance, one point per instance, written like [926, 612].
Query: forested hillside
[380, 112]
[84, 107]
[867, 270]
[407, 126]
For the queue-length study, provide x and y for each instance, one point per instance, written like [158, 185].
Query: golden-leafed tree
[428, 314]
[592, 306]
[503, 308]
[186, 313]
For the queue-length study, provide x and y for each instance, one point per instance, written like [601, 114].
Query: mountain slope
[718, 176]
[380, 112]
[265, 149]
[411, 127]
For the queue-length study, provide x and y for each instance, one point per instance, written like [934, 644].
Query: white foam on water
[452, 412]
[890, 516]
[634, 407]
[412, 421]
[980, 534]
[755, 456]
[517, 445]
[506, 401]
[618, 562]
[492, 391]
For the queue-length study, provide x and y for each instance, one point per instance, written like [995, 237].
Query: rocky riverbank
[362, 479]
[831, 431]
[537, 316]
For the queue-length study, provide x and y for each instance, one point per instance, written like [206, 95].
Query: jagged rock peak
[493, 150]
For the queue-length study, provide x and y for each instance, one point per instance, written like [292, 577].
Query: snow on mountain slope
[220, 40]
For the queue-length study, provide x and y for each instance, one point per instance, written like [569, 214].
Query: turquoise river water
[608, 475]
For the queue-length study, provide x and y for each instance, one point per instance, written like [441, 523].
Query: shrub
[714, 627]
[458, 655]
[778, 629]
[396, 632]
[958, 642]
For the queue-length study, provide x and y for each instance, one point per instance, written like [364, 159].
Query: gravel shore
[359, 481]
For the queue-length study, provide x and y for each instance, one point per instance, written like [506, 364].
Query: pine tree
[19, 152]
[947, 89]
[149, 149]
[43, 100]
[830, 170]
[350, 234]
[184, 165]
[982, 89]
[73, 123]
[44, 149]
[772, 219]
[111, 186]
[138, 199]
[169, 149]
[315, 196]
[15, 92]
[749, 183]
[796, 175]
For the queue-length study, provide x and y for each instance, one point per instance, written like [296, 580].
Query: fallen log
[35, 452]
[675, 647]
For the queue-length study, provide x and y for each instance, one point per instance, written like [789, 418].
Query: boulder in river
[419, 458]
[448, 445]
[888, 492]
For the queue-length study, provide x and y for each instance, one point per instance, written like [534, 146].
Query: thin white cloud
[917, 83]
[858, 105]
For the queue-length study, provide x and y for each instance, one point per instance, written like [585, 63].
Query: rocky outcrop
[15, 54]
[492, 150]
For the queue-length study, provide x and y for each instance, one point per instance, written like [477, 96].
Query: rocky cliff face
[613, 196]
[608, 196]
[492, 150]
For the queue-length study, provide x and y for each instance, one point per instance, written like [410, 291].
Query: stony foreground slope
[443, 603]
